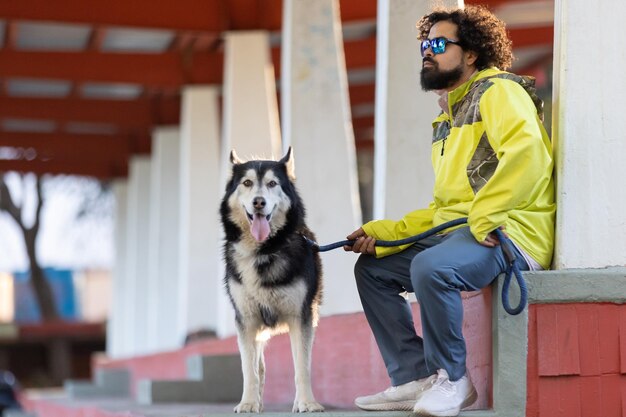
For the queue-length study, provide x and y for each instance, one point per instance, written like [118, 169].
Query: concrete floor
[55, 403]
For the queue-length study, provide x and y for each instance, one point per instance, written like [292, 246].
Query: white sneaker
[398, 398]
[446, 398]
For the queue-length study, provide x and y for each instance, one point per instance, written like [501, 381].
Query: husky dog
[273, 277]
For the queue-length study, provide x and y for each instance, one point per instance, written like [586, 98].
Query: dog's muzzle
[259, 223]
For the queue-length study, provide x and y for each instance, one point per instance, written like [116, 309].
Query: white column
[163, 304]
[137, 274]
[117, 315]
[251, 125]
[588, 134]
[317, 123]
[200, 195]
[403, 175]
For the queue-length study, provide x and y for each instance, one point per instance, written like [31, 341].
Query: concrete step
[106, 383]
[212, 379]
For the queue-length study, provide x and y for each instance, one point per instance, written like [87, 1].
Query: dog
[273, 276]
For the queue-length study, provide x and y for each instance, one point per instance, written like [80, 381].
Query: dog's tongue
[260, 227]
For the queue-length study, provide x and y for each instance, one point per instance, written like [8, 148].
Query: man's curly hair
[478, 30]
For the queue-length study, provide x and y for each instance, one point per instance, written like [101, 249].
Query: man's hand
[363, 243]
[491, 241]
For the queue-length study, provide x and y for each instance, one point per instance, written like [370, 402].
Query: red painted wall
[577, 360]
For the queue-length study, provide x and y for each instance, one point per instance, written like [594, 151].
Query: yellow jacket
[493, 164]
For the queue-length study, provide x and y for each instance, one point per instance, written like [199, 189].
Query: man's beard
[432, 78]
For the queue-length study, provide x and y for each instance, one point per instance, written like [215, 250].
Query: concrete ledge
[107, 383]
[577, 286]
[213, 379]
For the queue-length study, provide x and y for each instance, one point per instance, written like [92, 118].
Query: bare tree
[40, 285]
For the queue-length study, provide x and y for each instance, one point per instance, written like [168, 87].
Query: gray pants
[436, 269]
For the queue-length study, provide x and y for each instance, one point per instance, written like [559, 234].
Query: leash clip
[314, 245]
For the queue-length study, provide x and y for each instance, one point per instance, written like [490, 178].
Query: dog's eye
[247, 183]
[272, 184]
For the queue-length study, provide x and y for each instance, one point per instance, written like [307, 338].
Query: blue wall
[26, 308]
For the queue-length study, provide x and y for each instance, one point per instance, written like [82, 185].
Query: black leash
[505, 244]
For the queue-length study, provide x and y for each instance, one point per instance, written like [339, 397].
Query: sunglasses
[437, 45]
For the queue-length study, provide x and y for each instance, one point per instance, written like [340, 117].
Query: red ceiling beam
[126, 115]
[102, 156]
[165, 70]
[160, 70]
[360, 123]
[203, 15]
[132, 114]
[119, 112]
[254, 14]
[491, 4]
[196, 15]
[68, 146]
[91, 168]
[263, 14]
[357, 9]
[532, 36]
[361, 94]
[361, 53]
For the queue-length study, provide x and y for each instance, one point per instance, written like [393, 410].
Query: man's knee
[426, 275]
[363, 268]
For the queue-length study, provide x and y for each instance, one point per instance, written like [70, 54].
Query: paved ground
[58, 404]
[126, 407]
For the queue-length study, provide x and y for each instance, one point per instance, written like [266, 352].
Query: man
[493, 164]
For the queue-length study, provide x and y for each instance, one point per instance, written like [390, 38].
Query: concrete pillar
[588, 134]
[117, 315]
[164, 242]
[317, 123]
[200, 195]
[251, 123]
[137, 273]
[250, 120]
[403, 175]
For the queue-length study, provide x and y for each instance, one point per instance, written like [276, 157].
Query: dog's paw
[252, 407]
[307, 407]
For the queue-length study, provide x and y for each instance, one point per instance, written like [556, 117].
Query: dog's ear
[234, 159]
[289, 163]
